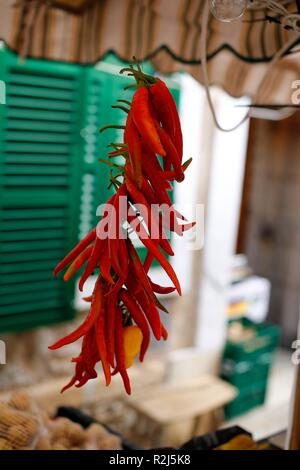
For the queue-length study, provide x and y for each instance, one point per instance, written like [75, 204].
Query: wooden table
[174, 413]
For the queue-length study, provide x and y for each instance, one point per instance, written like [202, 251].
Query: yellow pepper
[132, 337]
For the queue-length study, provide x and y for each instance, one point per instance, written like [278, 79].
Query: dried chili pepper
[165, 108]
[142, 117]
[172, 153]
[120, 353]
[100, 331]
[152, 247]
[89, 238]
[161, 289]
[78, 263]
[131, 138]
[92, 263]
[170, 175]
[111, 306]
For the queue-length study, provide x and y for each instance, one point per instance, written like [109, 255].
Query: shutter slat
[37, 159]
[28, 267]
[39, 92]
[36, 296]
[29, 124]
[47, 284]
[30, 256]
[19, 136]
[17, 77]
[36, 148]
[18, 278]
[36, 170]
[43, 115]
[31, 103]
[34, 235]
[29, 307]
[15, 247]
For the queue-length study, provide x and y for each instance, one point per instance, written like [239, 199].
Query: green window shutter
[39, 189]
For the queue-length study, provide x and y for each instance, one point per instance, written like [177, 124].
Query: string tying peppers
[124, 308]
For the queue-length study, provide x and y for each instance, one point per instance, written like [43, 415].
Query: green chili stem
[111, 126]
[123, 108]
[107, 162]
[125, 101]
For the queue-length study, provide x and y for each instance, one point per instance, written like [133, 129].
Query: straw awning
[166, 31]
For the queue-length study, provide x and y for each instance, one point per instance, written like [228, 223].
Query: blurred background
[231, 333]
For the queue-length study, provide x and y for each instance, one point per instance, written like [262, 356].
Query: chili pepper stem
[111, 126]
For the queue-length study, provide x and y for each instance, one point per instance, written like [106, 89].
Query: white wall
[222, 220]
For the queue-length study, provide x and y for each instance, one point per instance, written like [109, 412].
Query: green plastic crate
[247, 399]
[246, 365]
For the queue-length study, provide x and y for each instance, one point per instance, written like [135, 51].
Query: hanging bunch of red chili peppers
[124, 303]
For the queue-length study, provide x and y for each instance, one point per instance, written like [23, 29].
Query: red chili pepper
[76, 376]
[105, 265]
[164, 333]
[113, 250]
[167, 164]
[152, 247]
[151, 164]
[151, 313]
[92, 263]
[170, 175]
[165, 107]
[160, 289]
[171, 224]
[111, 307]
[148, 191]
[89, 238]
[146, 212]
[120, 353]
[155, 206]
[91, 353]
[115, 229]
[171, 152]
[137, 268]
[123, 256]
[100, 331]
[157, 182]
[132, 140]
[78, 262]
[86, 361]
[139, 319]
[142, 117]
